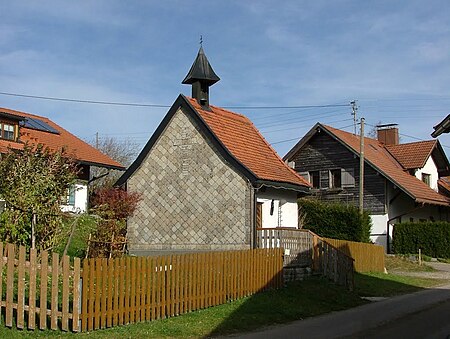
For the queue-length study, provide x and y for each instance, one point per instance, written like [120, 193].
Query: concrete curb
[354, 320]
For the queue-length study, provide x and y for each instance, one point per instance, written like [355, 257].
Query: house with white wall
[400, 180]
[208, 179]
[18, 128]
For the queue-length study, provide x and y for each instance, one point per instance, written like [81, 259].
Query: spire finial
[201, 40]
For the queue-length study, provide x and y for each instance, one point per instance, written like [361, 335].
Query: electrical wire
[84, 101]
[159, 105]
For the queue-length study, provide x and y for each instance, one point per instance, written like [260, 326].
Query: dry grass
[402, 264]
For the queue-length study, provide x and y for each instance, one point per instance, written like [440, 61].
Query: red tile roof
[383, 161]
[243, 140]
[412, 155]
[80, 150]
[444, 183]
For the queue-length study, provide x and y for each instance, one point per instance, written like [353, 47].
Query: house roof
[377, 156]
[55, 138]
[442, 127]
[414, 154]
[444, 184]
[238, 140]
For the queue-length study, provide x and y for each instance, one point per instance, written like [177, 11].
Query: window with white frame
[7, 131]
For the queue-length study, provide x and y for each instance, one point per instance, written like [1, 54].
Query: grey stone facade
[192, 199]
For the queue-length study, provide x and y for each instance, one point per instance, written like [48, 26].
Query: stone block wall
[192, 199]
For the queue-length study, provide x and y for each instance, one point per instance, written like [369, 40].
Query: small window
[7, 131]
[71, 196]
[426, 178]
[335, 178]
[314, 179]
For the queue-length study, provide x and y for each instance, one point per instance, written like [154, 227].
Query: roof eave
[283, 185]
[98, 164]
[432, 202]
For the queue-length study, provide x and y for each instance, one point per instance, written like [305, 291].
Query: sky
[391, 57]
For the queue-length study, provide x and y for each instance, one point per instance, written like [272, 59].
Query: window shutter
[324, 179]
[348, 177]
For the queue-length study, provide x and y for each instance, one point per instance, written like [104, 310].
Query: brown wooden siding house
[400, 180]
[203, 175]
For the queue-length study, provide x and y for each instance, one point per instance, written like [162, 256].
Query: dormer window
[8, 131]
[426, 178]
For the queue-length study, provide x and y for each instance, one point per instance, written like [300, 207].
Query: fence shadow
[298, 300]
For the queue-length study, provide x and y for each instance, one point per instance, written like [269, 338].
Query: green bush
[334, 220]
[433, 238]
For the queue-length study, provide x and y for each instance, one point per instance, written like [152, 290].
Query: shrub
[433, 238]
[113, 206]
[334, 220]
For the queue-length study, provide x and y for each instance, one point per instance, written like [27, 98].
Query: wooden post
[33, 231]
[361, 168]
[420, 257]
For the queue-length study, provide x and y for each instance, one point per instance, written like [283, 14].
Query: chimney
[201, 76]
[388, 134]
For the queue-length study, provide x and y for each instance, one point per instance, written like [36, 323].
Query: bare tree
[372, 133]
[122, 151]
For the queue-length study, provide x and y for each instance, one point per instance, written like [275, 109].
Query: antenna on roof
[354, 110]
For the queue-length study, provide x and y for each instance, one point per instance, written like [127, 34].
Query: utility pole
[354, 110]
[361, 167]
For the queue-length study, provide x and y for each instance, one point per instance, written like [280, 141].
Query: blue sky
[393, 57]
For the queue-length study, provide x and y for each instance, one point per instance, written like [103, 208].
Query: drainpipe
[253, 191]
[398, 216]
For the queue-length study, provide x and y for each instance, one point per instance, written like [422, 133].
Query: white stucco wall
[81, 199]
[429, 168]
[379, 228]
[285, 211]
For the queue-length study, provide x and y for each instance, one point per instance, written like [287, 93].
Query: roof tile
[412, 155]
[247, 145]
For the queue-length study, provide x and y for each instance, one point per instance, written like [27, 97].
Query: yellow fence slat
[32, 290]
[368, 257]
[76, 295]
[10, 285]
[21, 288]
[65, 294]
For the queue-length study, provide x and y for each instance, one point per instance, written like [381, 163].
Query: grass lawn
[299, 300]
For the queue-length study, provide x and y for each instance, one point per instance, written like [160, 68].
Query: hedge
[433, 238]
[335, 220]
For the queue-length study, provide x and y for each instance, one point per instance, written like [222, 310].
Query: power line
[158, 105]
[84, 101]
[287, 107]
[291, 128]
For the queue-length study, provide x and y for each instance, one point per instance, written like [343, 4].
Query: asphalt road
[430, 323]
[424, 314]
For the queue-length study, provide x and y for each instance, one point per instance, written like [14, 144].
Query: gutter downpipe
[254, 190]
[388, 250]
